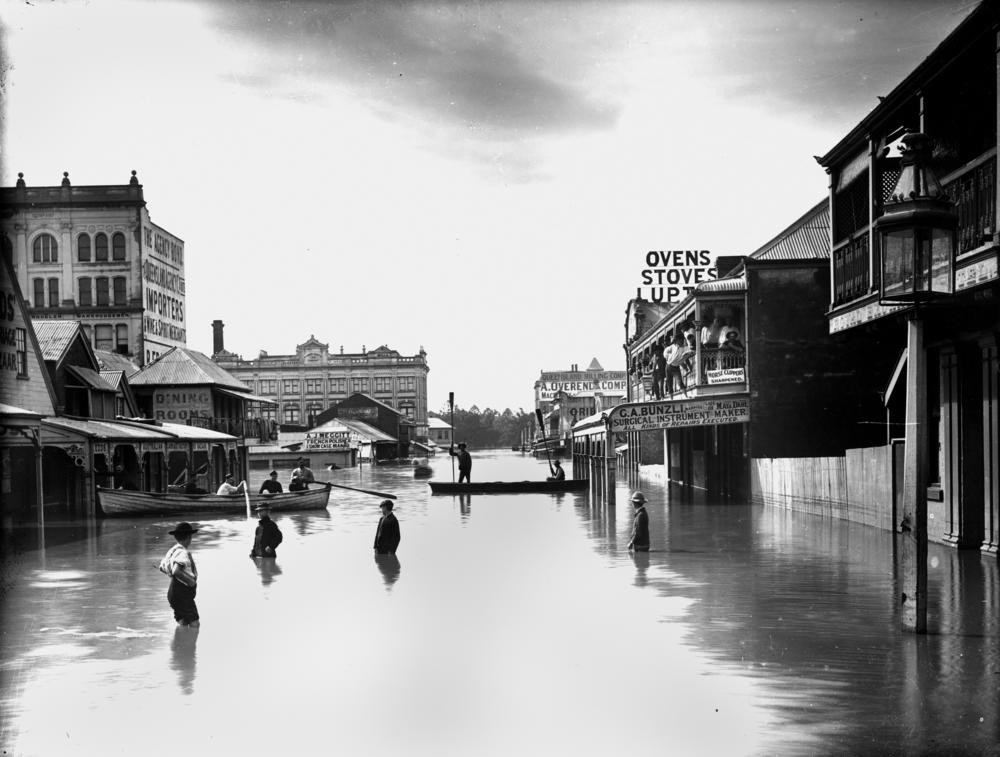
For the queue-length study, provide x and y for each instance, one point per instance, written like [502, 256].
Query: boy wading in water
[179, 565]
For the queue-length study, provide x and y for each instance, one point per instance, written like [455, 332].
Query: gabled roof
[594, 366]
[55, 337]
[90, 378]
[433, 422]
[180, 366]
[114, 361]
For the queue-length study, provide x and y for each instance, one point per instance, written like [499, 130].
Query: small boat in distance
[509, 487]
[126, 503]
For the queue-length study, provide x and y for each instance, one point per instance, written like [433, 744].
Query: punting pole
[451, 404]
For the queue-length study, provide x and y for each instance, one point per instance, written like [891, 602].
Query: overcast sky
[480, 179]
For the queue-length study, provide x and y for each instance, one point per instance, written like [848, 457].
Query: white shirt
[228, 488]
[179, 564]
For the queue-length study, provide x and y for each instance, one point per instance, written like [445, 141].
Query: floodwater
[507, 625]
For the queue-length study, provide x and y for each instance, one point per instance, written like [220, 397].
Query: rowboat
[124, 502]
[509, 487]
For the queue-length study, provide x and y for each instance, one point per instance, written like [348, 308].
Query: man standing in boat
[558, 474]
[267, 536]
[464, 462]
[640, 525]
[387, 533]
[179, 565]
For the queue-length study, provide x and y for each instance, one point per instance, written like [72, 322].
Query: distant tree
[486, 428]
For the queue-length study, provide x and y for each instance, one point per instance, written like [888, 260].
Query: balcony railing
[259, 429]
[974, 194]
[851, 274]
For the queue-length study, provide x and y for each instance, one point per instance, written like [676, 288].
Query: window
[83, 248]
[86, 297]
[121, 339]
[103, 337]
[407, 384]
[118, 246]
[290, 386]
[102, 290]
[120, 296]
[53, 293]
[44, 249]
[291, 413]
[269, 412]
[338, 386]
[101, 248]
[268, 386]
[21, 347]
[38, 298]
[383, 384]
[359, 385]
[314, 386]
[313, 409]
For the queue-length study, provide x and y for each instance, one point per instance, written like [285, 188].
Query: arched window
[291, 413]
[101, 247]
[83, 248]
[118, 246]
[44, 249]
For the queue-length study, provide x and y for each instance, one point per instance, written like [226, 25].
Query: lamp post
[917, 243]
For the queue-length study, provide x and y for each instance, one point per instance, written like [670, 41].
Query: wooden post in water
[913, 519]
[609, 462]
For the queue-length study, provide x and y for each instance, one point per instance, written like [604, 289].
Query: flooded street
[508, 624]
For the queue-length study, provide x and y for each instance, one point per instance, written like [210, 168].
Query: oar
[451, 404]
[246, 495]
[363, 491]
[545, 440]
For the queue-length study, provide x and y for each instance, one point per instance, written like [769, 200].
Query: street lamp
[917, 236]
[917, 231]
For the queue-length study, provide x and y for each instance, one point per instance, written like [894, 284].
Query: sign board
[547, 389]
[725, 376]
[329, 440]
[670, 275]
[163, 289]
[649, 416]
[358, 413]
[181, 404]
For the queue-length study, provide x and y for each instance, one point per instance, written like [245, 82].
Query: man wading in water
[179, 565]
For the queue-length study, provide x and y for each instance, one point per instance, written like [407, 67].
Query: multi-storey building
[91, 254]
[313, 379]
[565, 397]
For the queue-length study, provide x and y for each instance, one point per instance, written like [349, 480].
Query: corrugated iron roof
[179, 366]
[114, 361]
[131, 430]
[93, 379]
[54, 336]
[728, 284]
[369, 432]
[114, 378]
[808, 238]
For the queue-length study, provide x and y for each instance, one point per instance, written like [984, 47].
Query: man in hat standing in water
[179, 565]
[464, 462]
[387, 533]
[640, 525]
[268, 535]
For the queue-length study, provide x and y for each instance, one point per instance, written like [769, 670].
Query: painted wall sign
[978, 273]
[547, 390]
[363, 413]
[649, 416]
[863, 314]
[726, 376]
[329, 440]
[669, 275]
[163, 287]
[181, 404]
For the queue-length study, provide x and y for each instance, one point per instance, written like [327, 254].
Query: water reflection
[388, 566]
[267, 568]
[641, 560]
[182, 656]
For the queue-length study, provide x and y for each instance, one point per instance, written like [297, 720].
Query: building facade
[941, 392]
[565, 397]
[307, 383]
[91, 254]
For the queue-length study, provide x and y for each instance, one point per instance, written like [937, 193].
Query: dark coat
[387, 535]
[640, 530]
[267, 535]
[464, 459]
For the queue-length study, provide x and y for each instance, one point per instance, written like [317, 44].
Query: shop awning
[96, 428]
[366, 432]
[244, 396]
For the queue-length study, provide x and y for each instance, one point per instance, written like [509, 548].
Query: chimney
[217, 343]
